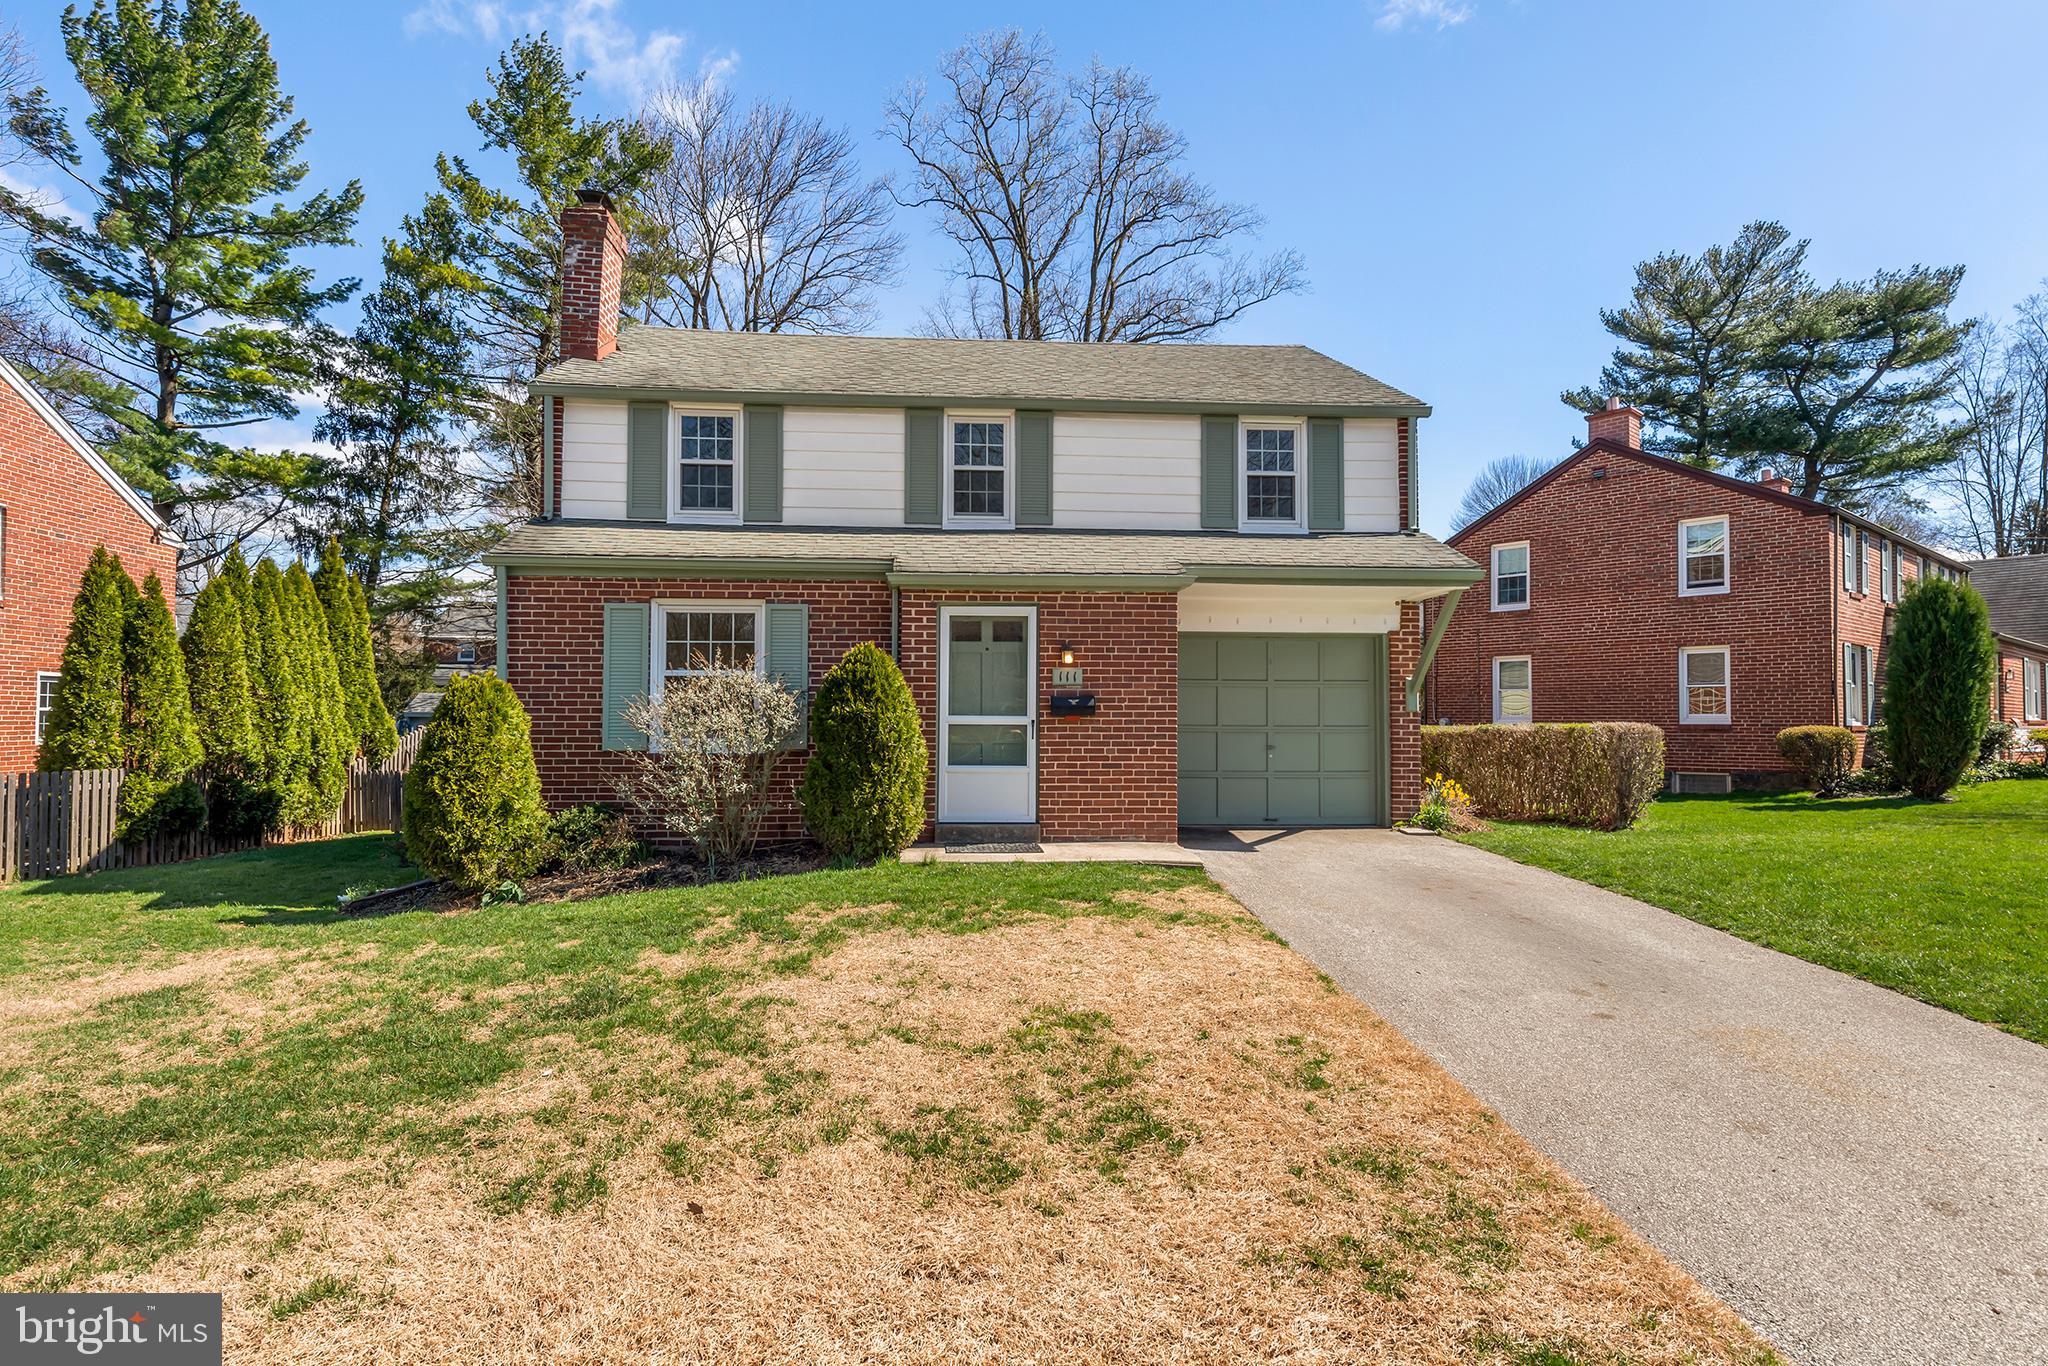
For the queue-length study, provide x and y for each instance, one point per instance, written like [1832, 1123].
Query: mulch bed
[663, 870]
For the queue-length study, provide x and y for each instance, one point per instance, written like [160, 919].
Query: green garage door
[1282, 730]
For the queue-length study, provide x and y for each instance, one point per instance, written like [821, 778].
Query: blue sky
[1469, 180]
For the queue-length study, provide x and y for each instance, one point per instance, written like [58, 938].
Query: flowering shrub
[714, 742]
[1445, 806]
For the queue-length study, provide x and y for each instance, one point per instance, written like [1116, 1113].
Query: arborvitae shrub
[333, 740]
[1937, 684]
[159, 794]
[283, 704]
[370, 728]
[223, 710]
[863, 789]
[473, 813]
[380, 735]
[84, 728]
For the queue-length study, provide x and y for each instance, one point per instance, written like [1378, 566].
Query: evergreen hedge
[473, 813]
[863, 788]
[1937, 685]
[370, 727]
[159, 793]
[84, 727]
[1601, 775]
[217, 675]
[332, 741]
[283, 704]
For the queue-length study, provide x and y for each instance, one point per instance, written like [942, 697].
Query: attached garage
[1283, 730]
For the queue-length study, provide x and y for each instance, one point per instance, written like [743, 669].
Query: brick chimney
[1775, 482]
[1620, 425]
[593, 265]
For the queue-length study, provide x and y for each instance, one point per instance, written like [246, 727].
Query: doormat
[993, 849]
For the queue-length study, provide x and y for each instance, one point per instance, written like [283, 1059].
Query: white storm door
[988, 694]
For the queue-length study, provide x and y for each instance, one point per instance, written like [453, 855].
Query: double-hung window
[980, 470]
[46, 702]
[692, 638]
[1703, 685]
[2032, 703]
[707, 465]
[1514, 694]
[1271, 492]
[1511, 577]
[1856, 695]
[1854, 552]
[1702, 556]
[1888, 569]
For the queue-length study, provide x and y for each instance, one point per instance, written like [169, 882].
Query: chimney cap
[590, 194]
[1613, 404]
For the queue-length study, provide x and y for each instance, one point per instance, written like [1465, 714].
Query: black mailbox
[1072, 704]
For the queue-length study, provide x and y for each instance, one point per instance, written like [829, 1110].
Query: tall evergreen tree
[84, 729]
[1937, 684]
[159, 794]
[184, 273]
[332, 739]
[283, 704]
[223, 709]
[370, 728]
[498, 248]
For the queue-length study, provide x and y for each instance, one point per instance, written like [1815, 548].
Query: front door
[988, 737]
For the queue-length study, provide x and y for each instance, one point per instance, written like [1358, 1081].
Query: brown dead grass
[849, 1251]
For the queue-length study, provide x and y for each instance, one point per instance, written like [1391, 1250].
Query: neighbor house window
[46, 702]
[2031, 692]
[1854, 545]
[1511, 577]
[1703, 685]
[695, 637]
[465, 654]
[1514, 697]
[1888, 569]
[707, 464]
[1856, 697]
[979, 470]
[1272, 475]
[1703, 556]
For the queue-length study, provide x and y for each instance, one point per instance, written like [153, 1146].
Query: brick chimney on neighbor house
[593, 267]
[1775, 482]
[1621, 425]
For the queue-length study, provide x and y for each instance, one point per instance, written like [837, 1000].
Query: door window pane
[987, 667]
[985, 746]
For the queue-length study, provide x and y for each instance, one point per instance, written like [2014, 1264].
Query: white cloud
[594, 38]
[46, 197]
[1442, 14]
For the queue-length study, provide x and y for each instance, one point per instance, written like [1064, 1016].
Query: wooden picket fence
[57, 823]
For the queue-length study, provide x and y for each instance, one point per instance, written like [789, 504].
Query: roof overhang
[619, 393]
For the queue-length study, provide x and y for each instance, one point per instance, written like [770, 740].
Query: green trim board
[647, 462]
[1412, 696]
[761, 475]
[794, 399]
[670, 567]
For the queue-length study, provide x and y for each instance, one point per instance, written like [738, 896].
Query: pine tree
[283, 706]
[223, 708]
[367, 720]
[159, 794]
[332, 740]
[84, 729]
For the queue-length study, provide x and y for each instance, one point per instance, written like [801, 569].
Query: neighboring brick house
[2015, 588]
[1131, 587]
[1623, 586]
[58, 499]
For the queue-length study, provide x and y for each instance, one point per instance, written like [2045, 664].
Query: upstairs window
[1854, 549]
[978, 470]
[707, 465]
[1272, 476]
[1856, 695]
[1888, 570]
[1514, 696]
[1511, 577]
[1702, 556]
[1703, 686]
[46, 702]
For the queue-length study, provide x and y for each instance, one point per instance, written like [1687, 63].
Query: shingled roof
[2015, 588]
[911, 371]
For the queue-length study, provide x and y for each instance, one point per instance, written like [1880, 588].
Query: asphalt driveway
[1863, 1177]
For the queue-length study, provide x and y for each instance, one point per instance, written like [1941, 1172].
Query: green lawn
[1945, 901]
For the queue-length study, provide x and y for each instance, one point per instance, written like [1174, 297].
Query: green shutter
[763, 474]
[1325, 474]
[789, 659]
[922, 484]
[1034, 469]
[647, 462]
[625, 672]
[1219, 473]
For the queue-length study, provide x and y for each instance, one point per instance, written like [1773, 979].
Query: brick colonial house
[1131, 587]
[58, 499]
[2015, 588]
[1623, 586]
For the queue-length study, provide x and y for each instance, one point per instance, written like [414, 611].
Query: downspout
[1434, 639]
[896, 626]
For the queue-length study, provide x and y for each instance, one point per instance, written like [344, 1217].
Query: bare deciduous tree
[760, 222]
[1497, 481]
[1068, 202]
[1998, 481]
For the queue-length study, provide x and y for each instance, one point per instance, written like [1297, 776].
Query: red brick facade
[1113, 775]
[54, 509]
[2009, 697]
[593, 265]
[1605, 621]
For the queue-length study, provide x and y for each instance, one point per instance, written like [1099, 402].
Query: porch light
[1066, 656]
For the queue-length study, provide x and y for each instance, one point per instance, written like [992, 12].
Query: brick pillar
[1621, 425]
[593, 268]
[1404, 728]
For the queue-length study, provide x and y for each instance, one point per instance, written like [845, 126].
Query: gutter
[1435, 638]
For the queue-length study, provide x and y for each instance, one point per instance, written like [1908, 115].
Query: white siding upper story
[844, 467]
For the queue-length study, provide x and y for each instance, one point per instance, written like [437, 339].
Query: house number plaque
[1066, 678]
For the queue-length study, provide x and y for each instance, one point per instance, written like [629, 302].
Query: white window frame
[1527, 663]
[42, 714]
[1528, 578]
[1273, 525]
[2033, 707]
[657, 638]
[1686, 715]
[1685, 590]
[1866, 700]
[465, 654]
[1856, 551]
[1889, 573]
[949, 517]
[674, 443]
